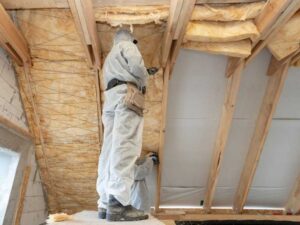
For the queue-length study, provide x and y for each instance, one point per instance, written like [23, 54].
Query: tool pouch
[135, 99]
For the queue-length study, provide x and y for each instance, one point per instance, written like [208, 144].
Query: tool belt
[134, 99]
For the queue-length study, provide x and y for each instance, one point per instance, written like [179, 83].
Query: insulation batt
[227, 13]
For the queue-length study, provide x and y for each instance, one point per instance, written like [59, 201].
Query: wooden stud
[175, 9]
[223, 217]
[22, 194]
[232, 90]
[83, 15]
[293, 204]
[274, 16]
[186, 12]
[99, 108]
[233, 64]
[275, 65]
[263, 123]
[12, 40]
[162, 134]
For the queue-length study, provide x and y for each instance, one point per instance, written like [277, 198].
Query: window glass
[8, 166]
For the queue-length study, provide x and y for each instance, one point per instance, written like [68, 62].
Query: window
[8, 166]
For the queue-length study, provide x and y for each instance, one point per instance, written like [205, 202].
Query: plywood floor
[90, 218]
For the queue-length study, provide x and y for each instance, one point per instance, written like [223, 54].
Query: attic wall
[193, 123]
[34, 212]
[11, 107]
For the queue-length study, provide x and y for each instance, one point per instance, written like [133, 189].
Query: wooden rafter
[162, 134]
[274, 16]
[224, 1]
[275, 65]
[186, 12]
[293, 204]
[85, 23]
[263, 123]
[12, 40]
[224, 128]
[83, 15]
[22, 194]
[175, 9]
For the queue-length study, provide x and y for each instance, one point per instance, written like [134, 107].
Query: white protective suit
[122, 138]
[140, 193]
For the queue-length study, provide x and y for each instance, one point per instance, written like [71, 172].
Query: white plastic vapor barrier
[196, 95]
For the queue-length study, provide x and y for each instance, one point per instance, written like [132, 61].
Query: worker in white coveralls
[125, 78]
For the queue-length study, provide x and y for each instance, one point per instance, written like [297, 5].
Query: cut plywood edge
[220, 31]
[91, 218]
[118, 16]
[287, 40]
[239, 49]
[232, 12]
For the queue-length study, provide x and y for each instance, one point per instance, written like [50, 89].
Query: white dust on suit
[122, 138]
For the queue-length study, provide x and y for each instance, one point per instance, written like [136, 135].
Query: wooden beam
[263, 123]
[233, 85]
[186, 12]
[293, 204]
[224, 217]
[275, 65]
[295, 59]
[47, 4]
[273, 17]
[175, 10]
[224, 1]
[12, 40]
[162, 134]
[22, 194]
[86, 26]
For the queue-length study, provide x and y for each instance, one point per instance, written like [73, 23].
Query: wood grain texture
[293, 203]
[232, 90]
[23, 188]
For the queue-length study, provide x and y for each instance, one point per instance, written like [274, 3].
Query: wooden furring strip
[22, 194]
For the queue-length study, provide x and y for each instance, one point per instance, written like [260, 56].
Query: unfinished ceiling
[63, 89]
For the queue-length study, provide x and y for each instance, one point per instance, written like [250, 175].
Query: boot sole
[117, 217]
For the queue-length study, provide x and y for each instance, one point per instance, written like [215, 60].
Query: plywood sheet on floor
[90, 218]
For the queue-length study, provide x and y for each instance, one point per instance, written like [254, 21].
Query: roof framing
[263, 124]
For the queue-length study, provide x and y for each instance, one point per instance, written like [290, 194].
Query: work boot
[101, 213]
[117, 212]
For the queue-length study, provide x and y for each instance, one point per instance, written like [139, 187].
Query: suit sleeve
[135, 62]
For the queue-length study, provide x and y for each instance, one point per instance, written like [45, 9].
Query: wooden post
[263, 123]
[293, 204]
[233, 85]
[83, 15]
[162, 134]
[22, 194]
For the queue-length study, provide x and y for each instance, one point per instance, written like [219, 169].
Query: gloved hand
[152, 71]
[154, 157]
